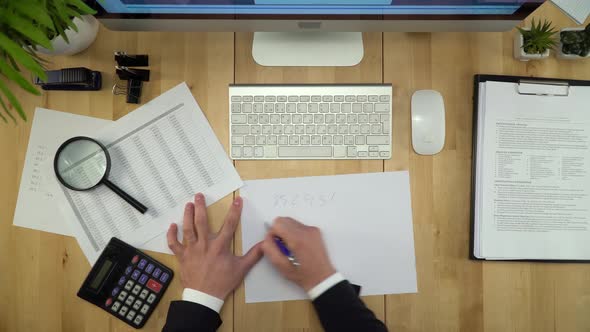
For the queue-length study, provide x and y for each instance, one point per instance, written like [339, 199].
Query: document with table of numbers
[532, 179]
[161, 154]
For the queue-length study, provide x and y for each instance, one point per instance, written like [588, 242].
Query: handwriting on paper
[307, 200]
[37, 181]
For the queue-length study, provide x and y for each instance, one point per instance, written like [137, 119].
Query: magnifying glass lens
[82, 164]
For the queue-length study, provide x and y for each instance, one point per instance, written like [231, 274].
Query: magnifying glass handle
[132, 201]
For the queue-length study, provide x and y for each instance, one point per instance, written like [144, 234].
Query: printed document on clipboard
[161, 154]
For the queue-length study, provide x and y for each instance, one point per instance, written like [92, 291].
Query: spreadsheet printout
[161, 154]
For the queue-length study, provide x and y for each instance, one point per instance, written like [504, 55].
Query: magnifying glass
[82, 163]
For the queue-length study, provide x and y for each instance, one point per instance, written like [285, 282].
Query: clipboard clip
[543, 88]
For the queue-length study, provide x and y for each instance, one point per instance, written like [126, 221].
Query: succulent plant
[576, 42]
[539, 38]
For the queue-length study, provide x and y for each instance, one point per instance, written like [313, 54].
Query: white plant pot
[78, 41]
[519, 52]
[564, 56]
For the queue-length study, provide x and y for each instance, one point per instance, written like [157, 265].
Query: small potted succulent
[574, 43]
[536, 42]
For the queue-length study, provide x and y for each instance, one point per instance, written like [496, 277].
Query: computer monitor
[312, 32]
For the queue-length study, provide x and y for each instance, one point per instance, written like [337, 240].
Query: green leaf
[24, 58]
[7, 112]
[28, 29]
[34, 11]
[12, 99]
[15, 76]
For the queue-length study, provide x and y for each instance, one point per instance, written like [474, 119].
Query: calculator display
[98, 279]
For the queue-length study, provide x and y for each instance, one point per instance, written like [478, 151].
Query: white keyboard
[310, 121]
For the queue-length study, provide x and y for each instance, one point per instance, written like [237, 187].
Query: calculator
[126, 283]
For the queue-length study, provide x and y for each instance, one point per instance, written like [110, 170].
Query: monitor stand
[308, 48]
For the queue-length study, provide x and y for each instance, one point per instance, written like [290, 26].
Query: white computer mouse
[428, 122]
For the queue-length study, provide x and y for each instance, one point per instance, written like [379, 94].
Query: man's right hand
[306, 244]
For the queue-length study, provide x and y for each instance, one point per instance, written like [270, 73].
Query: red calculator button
[154, 285]
[135, 259]
[108, 302]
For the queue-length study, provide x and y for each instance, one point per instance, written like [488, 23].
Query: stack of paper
[579, 10]
[161, 154]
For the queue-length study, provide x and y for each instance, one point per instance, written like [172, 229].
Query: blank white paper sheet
[365, 219]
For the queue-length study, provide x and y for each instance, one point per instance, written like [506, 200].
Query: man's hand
[206, 261]
[307, 246]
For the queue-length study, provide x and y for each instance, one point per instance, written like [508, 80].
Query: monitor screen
[317, 7]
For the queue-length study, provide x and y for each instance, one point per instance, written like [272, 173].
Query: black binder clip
[132, 90]
[131, 60]
[80, 78]
[126, 73]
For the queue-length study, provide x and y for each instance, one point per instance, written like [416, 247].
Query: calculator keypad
[137, 290]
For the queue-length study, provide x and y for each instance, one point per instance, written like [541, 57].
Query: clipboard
[565, 84]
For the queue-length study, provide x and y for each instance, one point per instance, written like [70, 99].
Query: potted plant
[574, 43]
[26, 26]
[536, 42]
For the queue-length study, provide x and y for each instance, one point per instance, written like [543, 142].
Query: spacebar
[305, 151]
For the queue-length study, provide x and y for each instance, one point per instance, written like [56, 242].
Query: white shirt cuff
[211, 302]
[323, 286]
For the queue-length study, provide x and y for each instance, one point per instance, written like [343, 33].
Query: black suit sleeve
[185, 316]
[341, 310]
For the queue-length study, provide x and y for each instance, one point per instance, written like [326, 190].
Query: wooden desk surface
[41, 272]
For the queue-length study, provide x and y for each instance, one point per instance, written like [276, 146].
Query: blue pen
[283, 247]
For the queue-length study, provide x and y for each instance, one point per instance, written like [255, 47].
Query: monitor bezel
[525, 10]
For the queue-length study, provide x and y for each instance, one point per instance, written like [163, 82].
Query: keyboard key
[282, 99]
[236, 108]
[373, 98]
[286, 118]
[258, 153]
[351, 151]
[121, 281]
[350, 98]
[247, 99]
[247, 152]
[368, 108]
[355, 129]
[316, 140]
[345, 108]
[236, 151]
[138, 319]
[349, 140]
[128, 270]
[115, 291]
[157, 273]
[384, 154]
[135, 274]
[339, 151]
[252, 118]
[365, 128]
[332, 129]
[384, 98]
[357, 108]
[334, 108]
[327, 140]
[308, 118]
[263, 119]
[330, 118]
[279, 108]
[154, 286]
[299, 129]
[376, 128]
[116, 306]
[313, 108]
[294, 140]
[362, 154]
[165, 276]
[136, 290]
[374, 118]
[382, 108]
[130, 315]
[240, 130]
[310, 130]
[373, 148]
[386, 127]
[239, 118]
[149, 268]
[324, 108]
[249, 140]
[343, 129]
[258, 98]
[305, 140]
[270, 99]
[137, 304]
[130, 300]
[321, 129]
[144, 293]
[291, 108]
[283, 140]
[338, 140]
[144, 309]
[288, 129]
[339, 98]
[316, 99]
[122, 296]
[269, 108]
[301, 108]
[318, 118]
[361, 99]
[297, 118]
[373, 154]
[246, 108]
[360, 140]
[327, 98]
[123, 310]
[151, 298]
[377, 140]
[271, 140]
[305, 151]
[363, 118]
[235, 140]
[340, 118]
[129, 285]
[267, 130]
[135, 259]
[293, 98]
[260, 140]
[142, 264]
[258, 108]
[304, 99]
